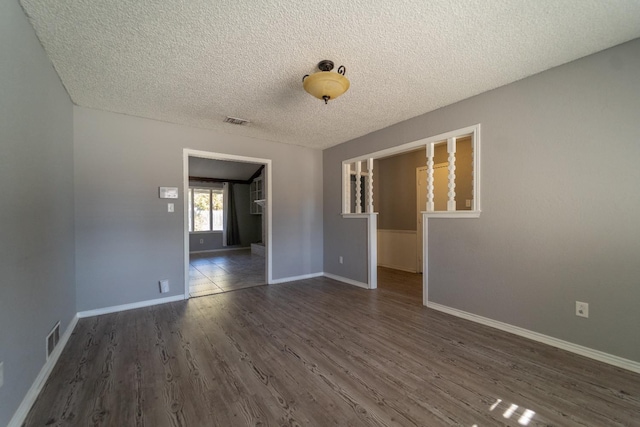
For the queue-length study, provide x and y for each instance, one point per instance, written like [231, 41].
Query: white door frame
[186, 153]
[420, 221]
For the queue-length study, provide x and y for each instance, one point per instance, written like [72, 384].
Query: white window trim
[224, 211]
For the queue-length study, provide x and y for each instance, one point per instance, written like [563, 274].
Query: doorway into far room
[399, 257]
[226, 231]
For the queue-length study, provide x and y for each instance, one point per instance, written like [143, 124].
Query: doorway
[464, 202]
[397, 248]
[221, 222]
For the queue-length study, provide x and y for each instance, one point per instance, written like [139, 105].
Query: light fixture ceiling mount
[326, 84]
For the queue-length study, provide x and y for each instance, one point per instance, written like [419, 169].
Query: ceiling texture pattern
[194, 62]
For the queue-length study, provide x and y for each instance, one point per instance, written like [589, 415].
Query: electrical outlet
[170, 207]
[582, 309]
[164, 286]
[1, 373]
[341, 260]
[201, 241]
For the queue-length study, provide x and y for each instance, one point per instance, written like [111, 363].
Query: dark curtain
[233, 233]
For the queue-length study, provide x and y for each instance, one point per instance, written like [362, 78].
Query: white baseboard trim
[124, 307]
[397, 267]
[32, 394]
[294, 278]
[220, 250]
[545, 339]
[348, 281]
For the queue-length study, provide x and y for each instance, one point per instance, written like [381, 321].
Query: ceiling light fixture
[324, 84]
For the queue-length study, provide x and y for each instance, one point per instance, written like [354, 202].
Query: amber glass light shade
[326, 85]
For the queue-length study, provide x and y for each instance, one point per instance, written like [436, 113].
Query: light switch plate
[170, 207]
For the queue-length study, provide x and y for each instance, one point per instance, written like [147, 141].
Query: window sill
[206, 232]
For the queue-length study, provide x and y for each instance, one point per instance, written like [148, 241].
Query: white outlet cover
[164, 286]
[170, 207]
[582, 309]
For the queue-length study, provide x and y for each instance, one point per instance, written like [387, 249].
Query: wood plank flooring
[318, 352]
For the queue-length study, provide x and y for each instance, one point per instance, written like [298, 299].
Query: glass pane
[202, 210]
[217, 210]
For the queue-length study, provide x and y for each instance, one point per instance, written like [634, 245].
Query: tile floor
[216, 272]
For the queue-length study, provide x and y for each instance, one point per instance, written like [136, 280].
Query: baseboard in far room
[295, 278]
[220, 250]
[32, 394]
[346, 280]
[545, 339]
[124, 307]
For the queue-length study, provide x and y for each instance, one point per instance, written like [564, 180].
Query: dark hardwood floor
[318, 352]
[400, 285]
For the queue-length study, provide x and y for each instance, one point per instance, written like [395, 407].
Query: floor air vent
[52, 339]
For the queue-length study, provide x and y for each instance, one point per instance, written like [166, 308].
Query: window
[205, 209]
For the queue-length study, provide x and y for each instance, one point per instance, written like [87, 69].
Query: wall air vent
[52, 339]
[236, 121]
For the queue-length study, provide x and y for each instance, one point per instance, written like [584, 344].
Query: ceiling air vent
[236, 121]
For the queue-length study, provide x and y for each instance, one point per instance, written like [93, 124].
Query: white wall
[126, 240]
[397, 249]
[560, 201]
[36, 206]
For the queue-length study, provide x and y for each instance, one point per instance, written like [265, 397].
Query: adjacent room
[234, 213]
[226, 227]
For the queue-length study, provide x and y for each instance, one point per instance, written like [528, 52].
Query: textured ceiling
[195, 62]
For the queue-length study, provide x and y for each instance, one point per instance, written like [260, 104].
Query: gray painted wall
[396, 179]
[250, 225]
[36, 213]
[561, 206]
[126, 240]
[211, 241]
